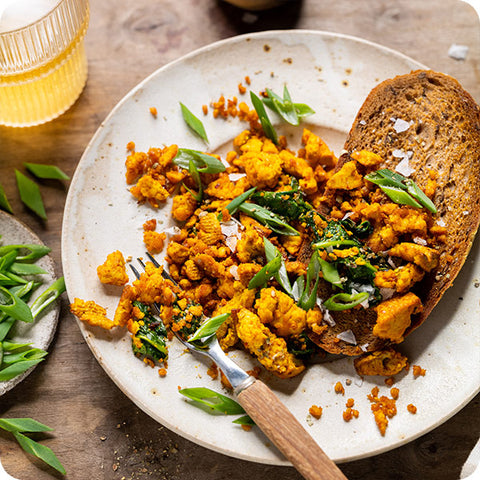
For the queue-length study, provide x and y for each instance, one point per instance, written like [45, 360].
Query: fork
[266, 410]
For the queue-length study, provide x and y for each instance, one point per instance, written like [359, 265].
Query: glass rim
[38, 42]
[41, 19]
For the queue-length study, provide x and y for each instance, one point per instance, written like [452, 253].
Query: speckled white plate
[333, 74]
[40, 333]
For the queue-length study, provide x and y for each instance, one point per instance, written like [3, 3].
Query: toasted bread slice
[429, 119]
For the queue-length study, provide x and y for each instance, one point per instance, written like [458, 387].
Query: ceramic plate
[333, 74]
[39, 333]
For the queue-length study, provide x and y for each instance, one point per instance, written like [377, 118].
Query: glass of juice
[43, 67]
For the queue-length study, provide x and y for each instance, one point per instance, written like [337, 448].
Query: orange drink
[43, 66]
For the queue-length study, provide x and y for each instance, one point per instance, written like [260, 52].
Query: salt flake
[458, 52]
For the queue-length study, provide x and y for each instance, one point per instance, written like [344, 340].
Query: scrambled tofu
[394, 316]
[384, 362]
[112, 271]
[270, 350]
[91, 313]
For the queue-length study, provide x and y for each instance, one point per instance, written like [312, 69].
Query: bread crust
[443, 135]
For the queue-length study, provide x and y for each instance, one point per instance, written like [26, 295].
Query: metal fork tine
[165, 274]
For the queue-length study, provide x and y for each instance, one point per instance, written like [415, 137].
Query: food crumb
[213, 371]
[383, 408]
[350, 413]
[418, 371]
[315, 411]
[205, 109]
[389, 381]
[162, 372]
[394, 392]
[131, 146]
[247, 428]
[153, 111]
[339, 388]
[247, 80]
[350, 402]
[412, 408]
[241, 88]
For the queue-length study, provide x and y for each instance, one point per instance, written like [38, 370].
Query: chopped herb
[345, 301]
[209, 327]
[233, 206]
[289, 111]
[51, 172]
[204, 163]
[268, 218]
[4, 203]
[400, 189]
[30, 194]
[216, 402]
[263, 117]
[271, 252]
[19, 426]
[194, 123]
[261, 278]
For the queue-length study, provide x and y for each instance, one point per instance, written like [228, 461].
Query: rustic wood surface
[99, 433]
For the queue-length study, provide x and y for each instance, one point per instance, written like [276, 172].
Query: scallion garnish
[271, 252]
[19, 427]
[204, 163]
[213, 400]
[209, 327]
[30, 194]
[289, 111]
[4, 203]
[194, 123]
[400, 189]
[232, 207]
[261, 278]
[268, 218]
[345, 301]
[50, 172]
[263, 117]
[308, 296]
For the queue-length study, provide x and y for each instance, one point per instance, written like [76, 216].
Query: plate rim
[85, 332]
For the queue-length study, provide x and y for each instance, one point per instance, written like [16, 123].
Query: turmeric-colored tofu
[317, 151]
[347, 178]
[270, 350]
[183, 207]
[250, 246]
[150, 188]
[112, 271]
[366, 158]
[394, 316]
[401, 279]
[91, 313]
[281, 312]
[425, 257]
[209, 229]
[383, 362]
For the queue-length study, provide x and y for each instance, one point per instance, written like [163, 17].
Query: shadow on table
[283, 17]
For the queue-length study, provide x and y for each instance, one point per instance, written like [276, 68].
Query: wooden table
[99, 433]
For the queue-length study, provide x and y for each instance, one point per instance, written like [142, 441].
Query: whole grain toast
[439, 130]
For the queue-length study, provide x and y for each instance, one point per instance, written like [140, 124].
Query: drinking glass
[43, 67]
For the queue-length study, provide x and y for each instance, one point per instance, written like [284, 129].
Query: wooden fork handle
[283, 429]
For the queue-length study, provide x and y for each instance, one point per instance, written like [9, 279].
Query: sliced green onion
[196, 177]
[345, 301]
[204, 163]
[245, 420]
[17, 309]
[268, 218]
[308, 298]
[330, 273]
[23, 425]
[303, 110]
[209, 327]
[417, 193]
[193, 122]
[215, 401]
[51, 172]
[17, 368]
[35, 251]
[263, 117]
[266, 273]
[27, 269]
[4, 203]
[30, 194]
[232, 207]
[281, 276]
[334, 243]
[400, 196]
[40, 451]
[284, 106]
[48, 296]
